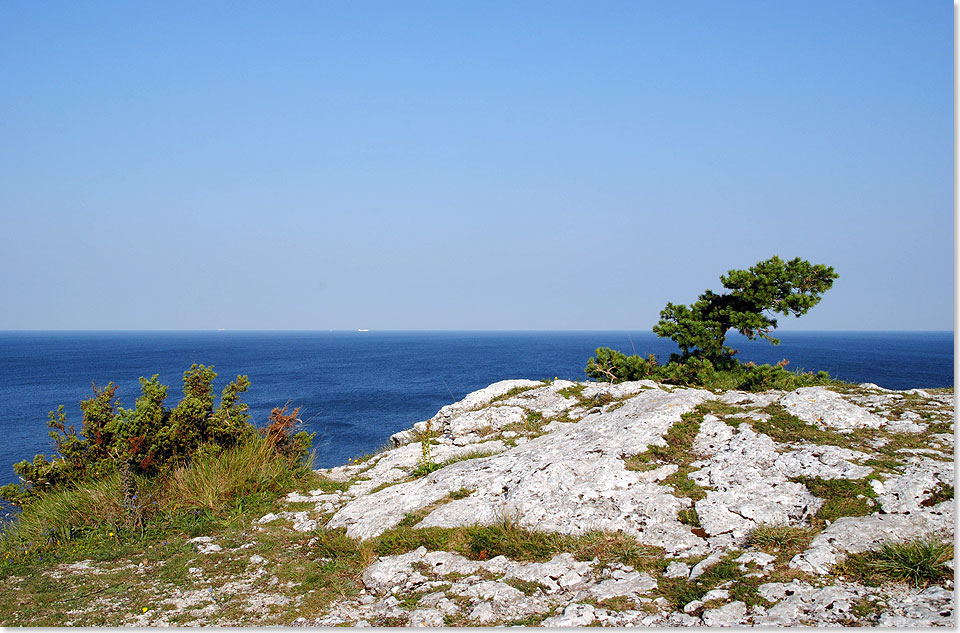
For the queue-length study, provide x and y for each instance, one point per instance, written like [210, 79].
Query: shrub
[280, 437]
[610, 365]
[613, 366]
[700, 329]
[150, 440]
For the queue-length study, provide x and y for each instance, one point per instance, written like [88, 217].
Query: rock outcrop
[830, 472]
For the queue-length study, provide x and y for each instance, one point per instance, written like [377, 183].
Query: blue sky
[468, 165]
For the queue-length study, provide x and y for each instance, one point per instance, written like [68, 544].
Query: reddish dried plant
[278, 432]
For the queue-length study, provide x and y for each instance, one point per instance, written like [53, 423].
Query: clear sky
[468, 165]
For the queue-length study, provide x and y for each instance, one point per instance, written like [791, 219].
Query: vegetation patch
[528, 587]
[409, 601]
[516, 391]
[917, 563]
[841, 497]
[784, 541]
[329, 485]
[688, 516]
[784, 427]
[533, 424]
[476, 453]
[573, 391]
[389, 484]
[943, 492]
[482, 542]
[530, 620]
[617, 603]
[720, 409]
[678, 450]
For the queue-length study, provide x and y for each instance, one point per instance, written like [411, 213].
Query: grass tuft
[212, 481]
[785, 540]
[918, 563]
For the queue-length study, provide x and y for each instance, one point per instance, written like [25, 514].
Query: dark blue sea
[357, 388]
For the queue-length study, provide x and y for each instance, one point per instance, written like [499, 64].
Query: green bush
[610, 365]
[149, 440]
[700, 329]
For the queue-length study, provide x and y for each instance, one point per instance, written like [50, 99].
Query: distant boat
[362, 330]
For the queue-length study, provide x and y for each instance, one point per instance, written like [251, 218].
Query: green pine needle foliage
[770, 287]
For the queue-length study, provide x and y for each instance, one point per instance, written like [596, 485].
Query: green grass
[516, 391]
[310, 569]
[424, 468]
[617, 603]
[720, 409]
[476, 453]
[530, 620]
[388, 484]
[841, 497]
[215, 480]
[482, 542]
[867, 609]
[688, 516]
[787, 428]
[917, 563]
[574, 391]
[532, 425]
[213, 489]
[681, 591]
[783, 540]
[678, 450]
[528, 587]
[329, 485]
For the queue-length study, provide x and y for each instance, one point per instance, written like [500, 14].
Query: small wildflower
[145, 609]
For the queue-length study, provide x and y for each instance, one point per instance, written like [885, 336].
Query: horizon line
[373, 330]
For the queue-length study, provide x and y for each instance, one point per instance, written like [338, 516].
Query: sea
[355, 389]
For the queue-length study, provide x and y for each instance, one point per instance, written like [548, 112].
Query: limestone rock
[570, 476]
[825, 462]
[909, 491]
[573, 615]
[572, 481]
[745, 487]
[858, 534]
[730, 614]
[828, 409]
[898, 605]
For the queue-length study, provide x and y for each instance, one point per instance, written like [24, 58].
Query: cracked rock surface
[579, 459]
